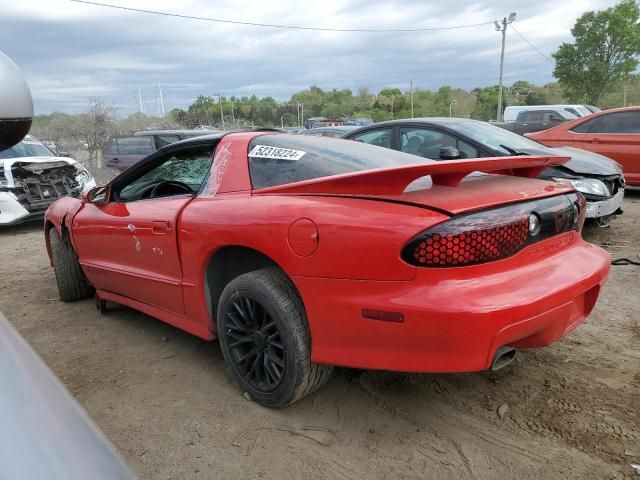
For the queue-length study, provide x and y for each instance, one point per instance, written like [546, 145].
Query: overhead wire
[289, 27]
[531, 44]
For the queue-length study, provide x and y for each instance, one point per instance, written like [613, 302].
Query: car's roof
[142, 133]
[421, 120]
[334, 127]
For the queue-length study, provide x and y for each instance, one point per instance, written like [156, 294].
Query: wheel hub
[254, 344]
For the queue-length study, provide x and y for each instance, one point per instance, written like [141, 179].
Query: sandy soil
[166, 401]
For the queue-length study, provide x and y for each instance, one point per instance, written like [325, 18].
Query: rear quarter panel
[357, 239]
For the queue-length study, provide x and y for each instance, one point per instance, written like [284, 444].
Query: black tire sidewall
[290, 322]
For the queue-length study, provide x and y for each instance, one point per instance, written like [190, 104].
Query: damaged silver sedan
[32, 177]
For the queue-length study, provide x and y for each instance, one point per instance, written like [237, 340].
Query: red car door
[129, 245]
[615, 135]
[130, 248]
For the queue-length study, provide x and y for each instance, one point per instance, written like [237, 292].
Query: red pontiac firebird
[300, 253]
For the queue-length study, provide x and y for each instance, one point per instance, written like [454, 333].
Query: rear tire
[265, 340]
[72, 285]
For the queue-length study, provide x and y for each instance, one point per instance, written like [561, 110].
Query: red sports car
[300, 253]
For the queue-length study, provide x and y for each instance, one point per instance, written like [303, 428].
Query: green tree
[605, 50]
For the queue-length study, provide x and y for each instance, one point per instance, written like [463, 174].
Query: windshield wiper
[512, 151]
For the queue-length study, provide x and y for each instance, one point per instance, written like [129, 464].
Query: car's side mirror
[63, 154]
[97, 195]
[16, 106]
[449, 153]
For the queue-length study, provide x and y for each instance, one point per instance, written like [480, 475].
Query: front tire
[265, 339]
[72, 285]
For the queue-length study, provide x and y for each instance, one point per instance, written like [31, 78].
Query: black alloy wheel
[254, 343]
[265, 338]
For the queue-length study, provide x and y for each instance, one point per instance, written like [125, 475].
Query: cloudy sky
[71, 52]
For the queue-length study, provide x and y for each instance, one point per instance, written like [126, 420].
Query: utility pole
[298, 112]
[140, 100]
[221, 111]
[161, 100]
[302, 115]
[392, 117]
[624, 101]
[411, 83]
[453, 102]
[505, 21]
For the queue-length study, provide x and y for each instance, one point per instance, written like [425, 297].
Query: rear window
[618, 122]
[281, 159]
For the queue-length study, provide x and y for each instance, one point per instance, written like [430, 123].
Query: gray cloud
[71, 52]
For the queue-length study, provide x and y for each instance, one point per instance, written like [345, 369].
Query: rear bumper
[455, 319]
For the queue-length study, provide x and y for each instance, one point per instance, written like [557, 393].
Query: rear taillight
[495, 234]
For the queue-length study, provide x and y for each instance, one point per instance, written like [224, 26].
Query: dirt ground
[166, 401]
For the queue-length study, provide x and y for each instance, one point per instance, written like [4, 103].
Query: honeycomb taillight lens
[494, 234]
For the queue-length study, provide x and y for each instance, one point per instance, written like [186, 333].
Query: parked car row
[598, 178]
[611, 137]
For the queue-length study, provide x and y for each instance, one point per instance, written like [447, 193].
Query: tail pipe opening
[503, 357]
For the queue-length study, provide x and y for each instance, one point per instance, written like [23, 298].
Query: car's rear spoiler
[393, 181]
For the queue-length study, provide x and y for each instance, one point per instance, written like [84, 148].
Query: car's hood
[582, 161]
[34, 164]
[7, 163]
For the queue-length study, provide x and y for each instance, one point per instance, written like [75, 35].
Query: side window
[532, 116]
[380, 137]
[427, 143]
[585, 127]
[187, 167]
[162, 140]
[135, 145]
[551, 117]
[619, 122]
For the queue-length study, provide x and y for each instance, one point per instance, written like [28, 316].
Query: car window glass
[135, 145]
[280, 159]
[162, 140]
[380, 137]
[533, 117]
[550, 117]
[619, 122]
[427, 143]
[585, 127]
[189, 167]
[26, 148]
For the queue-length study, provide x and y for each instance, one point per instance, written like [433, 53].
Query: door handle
[595, 140]
[160, 226]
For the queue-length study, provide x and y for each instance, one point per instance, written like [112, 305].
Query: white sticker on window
[265, 151]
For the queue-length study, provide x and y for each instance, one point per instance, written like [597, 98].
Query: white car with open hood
[32, 177]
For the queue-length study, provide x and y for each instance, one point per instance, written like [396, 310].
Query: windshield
[494, 137]
[280, 159]
[26, 148]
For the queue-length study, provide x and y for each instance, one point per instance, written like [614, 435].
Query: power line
[290, 27]
[531, 44]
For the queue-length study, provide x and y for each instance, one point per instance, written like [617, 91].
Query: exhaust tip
[503, 357]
